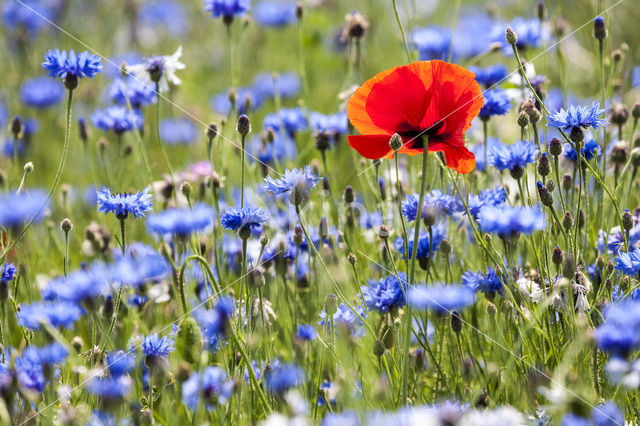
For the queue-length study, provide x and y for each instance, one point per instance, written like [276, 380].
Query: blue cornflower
[246, 99]
[58, 314]
[346, 418]
[289, 120]
[274, 14]
[71, 66]
[513, 157]
[78, 286]
[227, 8]
[619, 334]
[529, 31]
[571, 419]
[432, 42]
[212, 387]
[628, 263]
[120, 363]
[507, 221]
[489, 197]
[245, 218]
[166, 14]
[287, 84]
[496, 102]
[479, 152]
[30, 374]
[282, 378]
[155, 347]
[435, 203]
[122, 205]
[139, 93]
[8, 272]
[607, 414]
[306, 332]
[282, 148]
[19, 208]
[110, 387]
[577, 117]
[491, 75]
[178, 130]
[344, 318]
[386, 294]
[486, 283]
[138, 269]
[589, 151]
[213, 323]
[426, 245]
[440, 298]
[118, 119]
[181, 222]
[41, 92]
[297, 182]
[51, 354]
[18, 19]
[332, 125]
[327, 391]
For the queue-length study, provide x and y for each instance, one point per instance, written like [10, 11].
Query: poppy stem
[412, 269]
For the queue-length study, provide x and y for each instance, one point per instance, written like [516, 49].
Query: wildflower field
[325, 212]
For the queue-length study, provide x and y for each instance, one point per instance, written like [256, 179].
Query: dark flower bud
[551, 185]
[184, 372]
[186, 189]
[83, 131]
[635, 157]
[619, 152]
[456, 322]
[15, 127]
[66, 225]
[299, 10]
[523, 119]
[517, 172]
[567, 221]
[616, 55]
[600, 262]
[487, 237]
[555, 147]
[349, 196]
[557, 257]
[297, 235]
[378, 348]
[511, 36]
[568, 267]
[627, 220]
[28, 167]
[567, 182]
[445, 247]
[577, 134]
[331, 304]
[619, 114]
[323, 228]
[541, 10]
[70, 81]
[244, 232]
[599, 28]
[610, 267]
[635, 111]
[352, 258]
[356, 26]
[212, 131]
[417, 359]
[534, 115]
[77, 343]
[544, 167]
[383, 232]
[244, 125]
[582, 220]
[545, 196]
[256, 278]
[429, 216]
[322, 141]
[264, 240]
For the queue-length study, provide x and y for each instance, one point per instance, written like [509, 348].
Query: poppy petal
[371, 146]
[457, 158]
[390, 99]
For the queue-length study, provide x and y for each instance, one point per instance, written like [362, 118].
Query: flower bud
[544, 167]
[331, 304]
[551, 185]
[186, 189]
[491, 309]
[264, 240]
[545, 196]
[576, 135]
[189, 340]
[378, 348]
[599, 28]
[395, 143]
[541, 10]
[635, 157]
[323, 228]
[523, 119]
[517, 172]
[567, 182]
[619, 152]
[567, 221]
[582, 220]
[212, 131]
[511, 36]
[557, 256]
[383, 232]
[77, 343]
[15, 127]
[445, 247]
[349, 196]
[66, 225]
[352, 258]
[70, 81]
[555, 147]
[244, 232]
[244, 125]
[256, 278]
[388, 337]
[627, 220]
[299, 10]
[619, 114]
[28, 167]
[297, 235]
[417, 359]
[456, 322]
[83, 131]
[635, 111]
[568, 267]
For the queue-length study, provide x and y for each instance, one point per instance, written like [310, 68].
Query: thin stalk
[404, 39]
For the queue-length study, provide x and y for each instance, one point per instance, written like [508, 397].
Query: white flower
[624, 372]
[169, 65]
[530, 289]
[501, 416]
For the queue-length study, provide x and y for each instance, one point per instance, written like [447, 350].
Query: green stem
[242, 169]
[404, 39]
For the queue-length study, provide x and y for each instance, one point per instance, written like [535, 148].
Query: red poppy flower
[429, 100]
